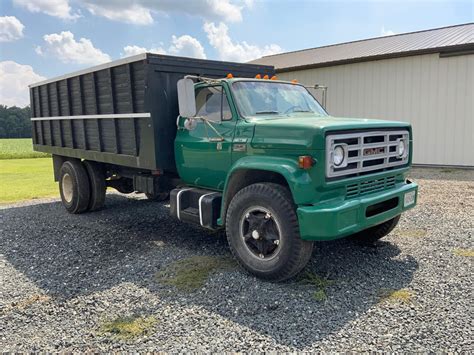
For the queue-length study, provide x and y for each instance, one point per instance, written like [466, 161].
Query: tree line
[15, 122]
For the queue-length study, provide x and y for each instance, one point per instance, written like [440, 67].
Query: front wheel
[263, 233]
[372, 234]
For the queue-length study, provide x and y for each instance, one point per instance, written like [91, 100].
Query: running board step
[196, 206]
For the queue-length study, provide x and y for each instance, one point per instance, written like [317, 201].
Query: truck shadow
[129, 241]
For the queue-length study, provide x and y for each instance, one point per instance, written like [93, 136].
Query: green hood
[308, 132]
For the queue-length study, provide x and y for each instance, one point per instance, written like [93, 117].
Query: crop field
[18, 148]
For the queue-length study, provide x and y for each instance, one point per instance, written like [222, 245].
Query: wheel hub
[67, 188]
[261, 232]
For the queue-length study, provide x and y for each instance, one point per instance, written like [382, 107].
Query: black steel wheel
[74, 186]
[263, 234]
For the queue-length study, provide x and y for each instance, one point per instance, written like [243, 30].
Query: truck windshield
[256, 98]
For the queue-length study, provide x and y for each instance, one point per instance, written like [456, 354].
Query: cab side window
[211, 103]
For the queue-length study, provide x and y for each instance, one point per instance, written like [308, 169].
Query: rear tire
[373, 234]
[74, 186]
[97, 185]
[263, 232]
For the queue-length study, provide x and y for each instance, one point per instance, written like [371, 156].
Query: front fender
[299, 180]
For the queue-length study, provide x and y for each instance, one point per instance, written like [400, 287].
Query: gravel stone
[63, 276]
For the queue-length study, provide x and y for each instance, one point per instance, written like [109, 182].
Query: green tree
[15, 122]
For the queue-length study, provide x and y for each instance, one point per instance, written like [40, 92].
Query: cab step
[195, 205]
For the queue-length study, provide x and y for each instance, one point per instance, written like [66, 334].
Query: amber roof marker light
[258, 76]
[229, 76]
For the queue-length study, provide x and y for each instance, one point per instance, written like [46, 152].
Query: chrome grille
[366, 151]
[369, 186]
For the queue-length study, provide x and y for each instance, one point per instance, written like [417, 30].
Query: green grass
[192, 273]
[316, 281]
[26, 179]
[412, 233]
[395, 296]
[464, 252]
[18, 148]
[128, 327]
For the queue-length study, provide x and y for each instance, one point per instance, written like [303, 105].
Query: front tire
[263, 232]
[74, 186]
[373, 234]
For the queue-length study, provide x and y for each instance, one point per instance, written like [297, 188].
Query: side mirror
[186, 98]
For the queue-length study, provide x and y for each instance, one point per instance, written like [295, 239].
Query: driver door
[203, 155]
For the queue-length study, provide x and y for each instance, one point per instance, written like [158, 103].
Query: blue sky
[45, 38]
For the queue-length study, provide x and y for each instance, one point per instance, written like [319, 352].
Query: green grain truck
[257, 157]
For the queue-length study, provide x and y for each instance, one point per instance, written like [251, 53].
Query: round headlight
[338, 156]
[401, 148]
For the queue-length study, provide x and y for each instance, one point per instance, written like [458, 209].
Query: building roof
[445, 39]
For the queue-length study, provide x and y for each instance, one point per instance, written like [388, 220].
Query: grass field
[24, 173]
[21, 148]
[26, 179]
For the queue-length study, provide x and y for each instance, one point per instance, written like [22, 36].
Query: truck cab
[262, 159]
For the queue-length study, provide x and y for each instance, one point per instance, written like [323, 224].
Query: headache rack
[365, 152]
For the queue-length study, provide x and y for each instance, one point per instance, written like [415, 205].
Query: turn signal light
[229, 76]
[258, 76]
[265, 77]
[305, 161]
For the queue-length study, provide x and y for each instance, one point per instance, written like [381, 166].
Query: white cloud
[14, 81]
[134, 50]
[184, 46]
[56, 8]
[235, 51]
[140, 12]
[64, 47]
[127, 12]
[11, 29]
[384, 32]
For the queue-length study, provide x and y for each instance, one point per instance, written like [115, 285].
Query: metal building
[425, 77]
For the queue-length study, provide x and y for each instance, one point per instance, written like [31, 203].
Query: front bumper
[333, 220]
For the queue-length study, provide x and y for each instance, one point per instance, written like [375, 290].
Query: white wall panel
[436, 95]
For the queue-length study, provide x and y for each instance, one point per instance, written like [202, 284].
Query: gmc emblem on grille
[374, 151]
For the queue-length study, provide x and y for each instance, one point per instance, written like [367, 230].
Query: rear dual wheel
[81, 186]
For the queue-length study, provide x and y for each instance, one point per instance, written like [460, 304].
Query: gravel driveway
[91, 282]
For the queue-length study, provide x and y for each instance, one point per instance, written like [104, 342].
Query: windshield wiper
[302, 111]
[266, 112]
